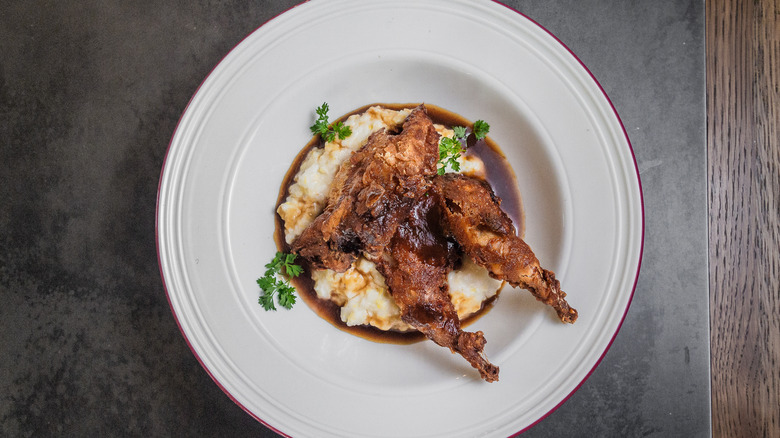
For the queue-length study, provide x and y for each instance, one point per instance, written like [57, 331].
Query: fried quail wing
[472, 214]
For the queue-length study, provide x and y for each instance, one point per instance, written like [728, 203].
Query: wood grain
[743, 100]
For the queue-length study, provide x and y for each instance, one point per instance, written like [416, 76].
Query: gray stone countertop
[90, 94]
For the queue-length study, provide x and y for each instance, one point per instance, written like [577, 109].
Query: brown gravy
[499, 174]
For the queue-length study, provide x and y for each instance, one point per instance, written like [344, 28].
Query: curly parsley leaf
[480, 129]
[450, 149]
[339, 129]
[286, 296]
[327, 131]
[460, 132]
[290, 268]
[320, 126]
[272, 285]
[269, 286]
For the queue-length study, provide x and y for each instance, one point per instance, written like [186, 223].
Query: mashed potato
[361, 291]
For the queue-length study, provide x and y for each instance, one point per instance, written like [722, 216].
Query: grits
[361, 291]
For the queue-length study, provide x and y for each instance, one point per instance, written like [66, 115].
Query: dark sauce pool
[499, 174]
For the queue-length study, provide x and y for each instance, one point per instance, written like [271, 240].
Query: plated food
[247, 122]
[398, 227]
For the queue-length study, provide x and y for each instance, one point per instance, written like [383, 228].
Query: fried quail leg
[473, 216]
[415, 267]
[427, 308]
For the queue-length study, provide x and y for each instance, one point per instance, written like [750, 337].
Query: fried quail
[374, 198]
[388, 204]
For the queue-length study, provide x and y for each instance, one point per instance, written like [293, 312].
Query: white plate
[294, 371]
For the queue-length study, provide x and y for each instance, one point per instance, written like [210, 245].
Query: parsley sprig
[451, 148]
[327, 131]
[272, 285]
[480, 129]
